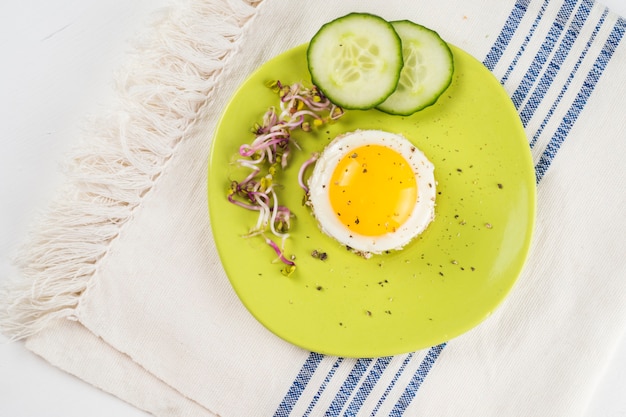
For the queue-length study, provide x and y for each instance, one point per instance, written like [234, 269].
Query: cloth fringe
[174, 67]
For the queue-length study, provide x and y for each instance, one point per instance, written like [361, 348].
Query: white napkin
[123, 286]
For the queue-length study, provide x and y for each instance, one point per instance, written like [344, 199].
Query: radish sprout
[303, 168]
[300, 107]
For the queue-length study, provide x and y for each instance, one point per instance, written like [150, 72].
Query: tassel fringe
[176, 65]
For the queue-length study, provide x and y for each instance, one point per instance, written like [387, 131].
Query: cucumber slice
[356, 60]
[427, 71]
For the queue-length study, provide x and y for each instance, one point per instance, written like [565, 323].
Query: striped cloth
[161, 328]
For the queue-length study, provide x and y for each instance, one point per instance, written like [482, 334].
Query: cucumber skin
[348, 106]
[425, 104]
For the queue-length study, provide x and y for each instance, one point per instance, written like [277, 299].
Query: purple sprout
[299, 108]
[303, 168]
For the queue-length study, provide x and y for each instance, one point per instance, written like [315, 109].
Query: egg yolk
[373, 190]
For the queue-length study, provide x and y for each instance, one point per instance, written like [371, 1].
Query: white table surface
[58, 61]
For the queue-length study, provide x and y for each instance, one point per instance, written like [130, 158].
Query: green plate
[442, 284]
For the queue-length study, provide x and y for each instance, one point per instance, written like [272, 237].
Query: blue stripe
[581, 99]
[522, 48]
[322, 387]
[565, 87]
[416, 381]
[366, 387]
[510, 26]
[382, 399]
[348, 386]
[301, 381]
[544, 51]
[557, 61]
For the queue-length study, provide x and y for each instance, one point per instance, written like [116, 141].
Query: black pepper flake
[357, 221]
[500, 186]
[322, 256]
[319, 288]
[459, 170]
[388, 312]
[369, 313]
[472, 268]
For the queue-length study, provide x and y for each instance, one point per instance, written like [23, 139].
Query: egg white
[422, 215]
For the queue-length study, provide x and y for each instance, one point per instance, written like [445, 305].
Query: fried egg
[372, 191]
